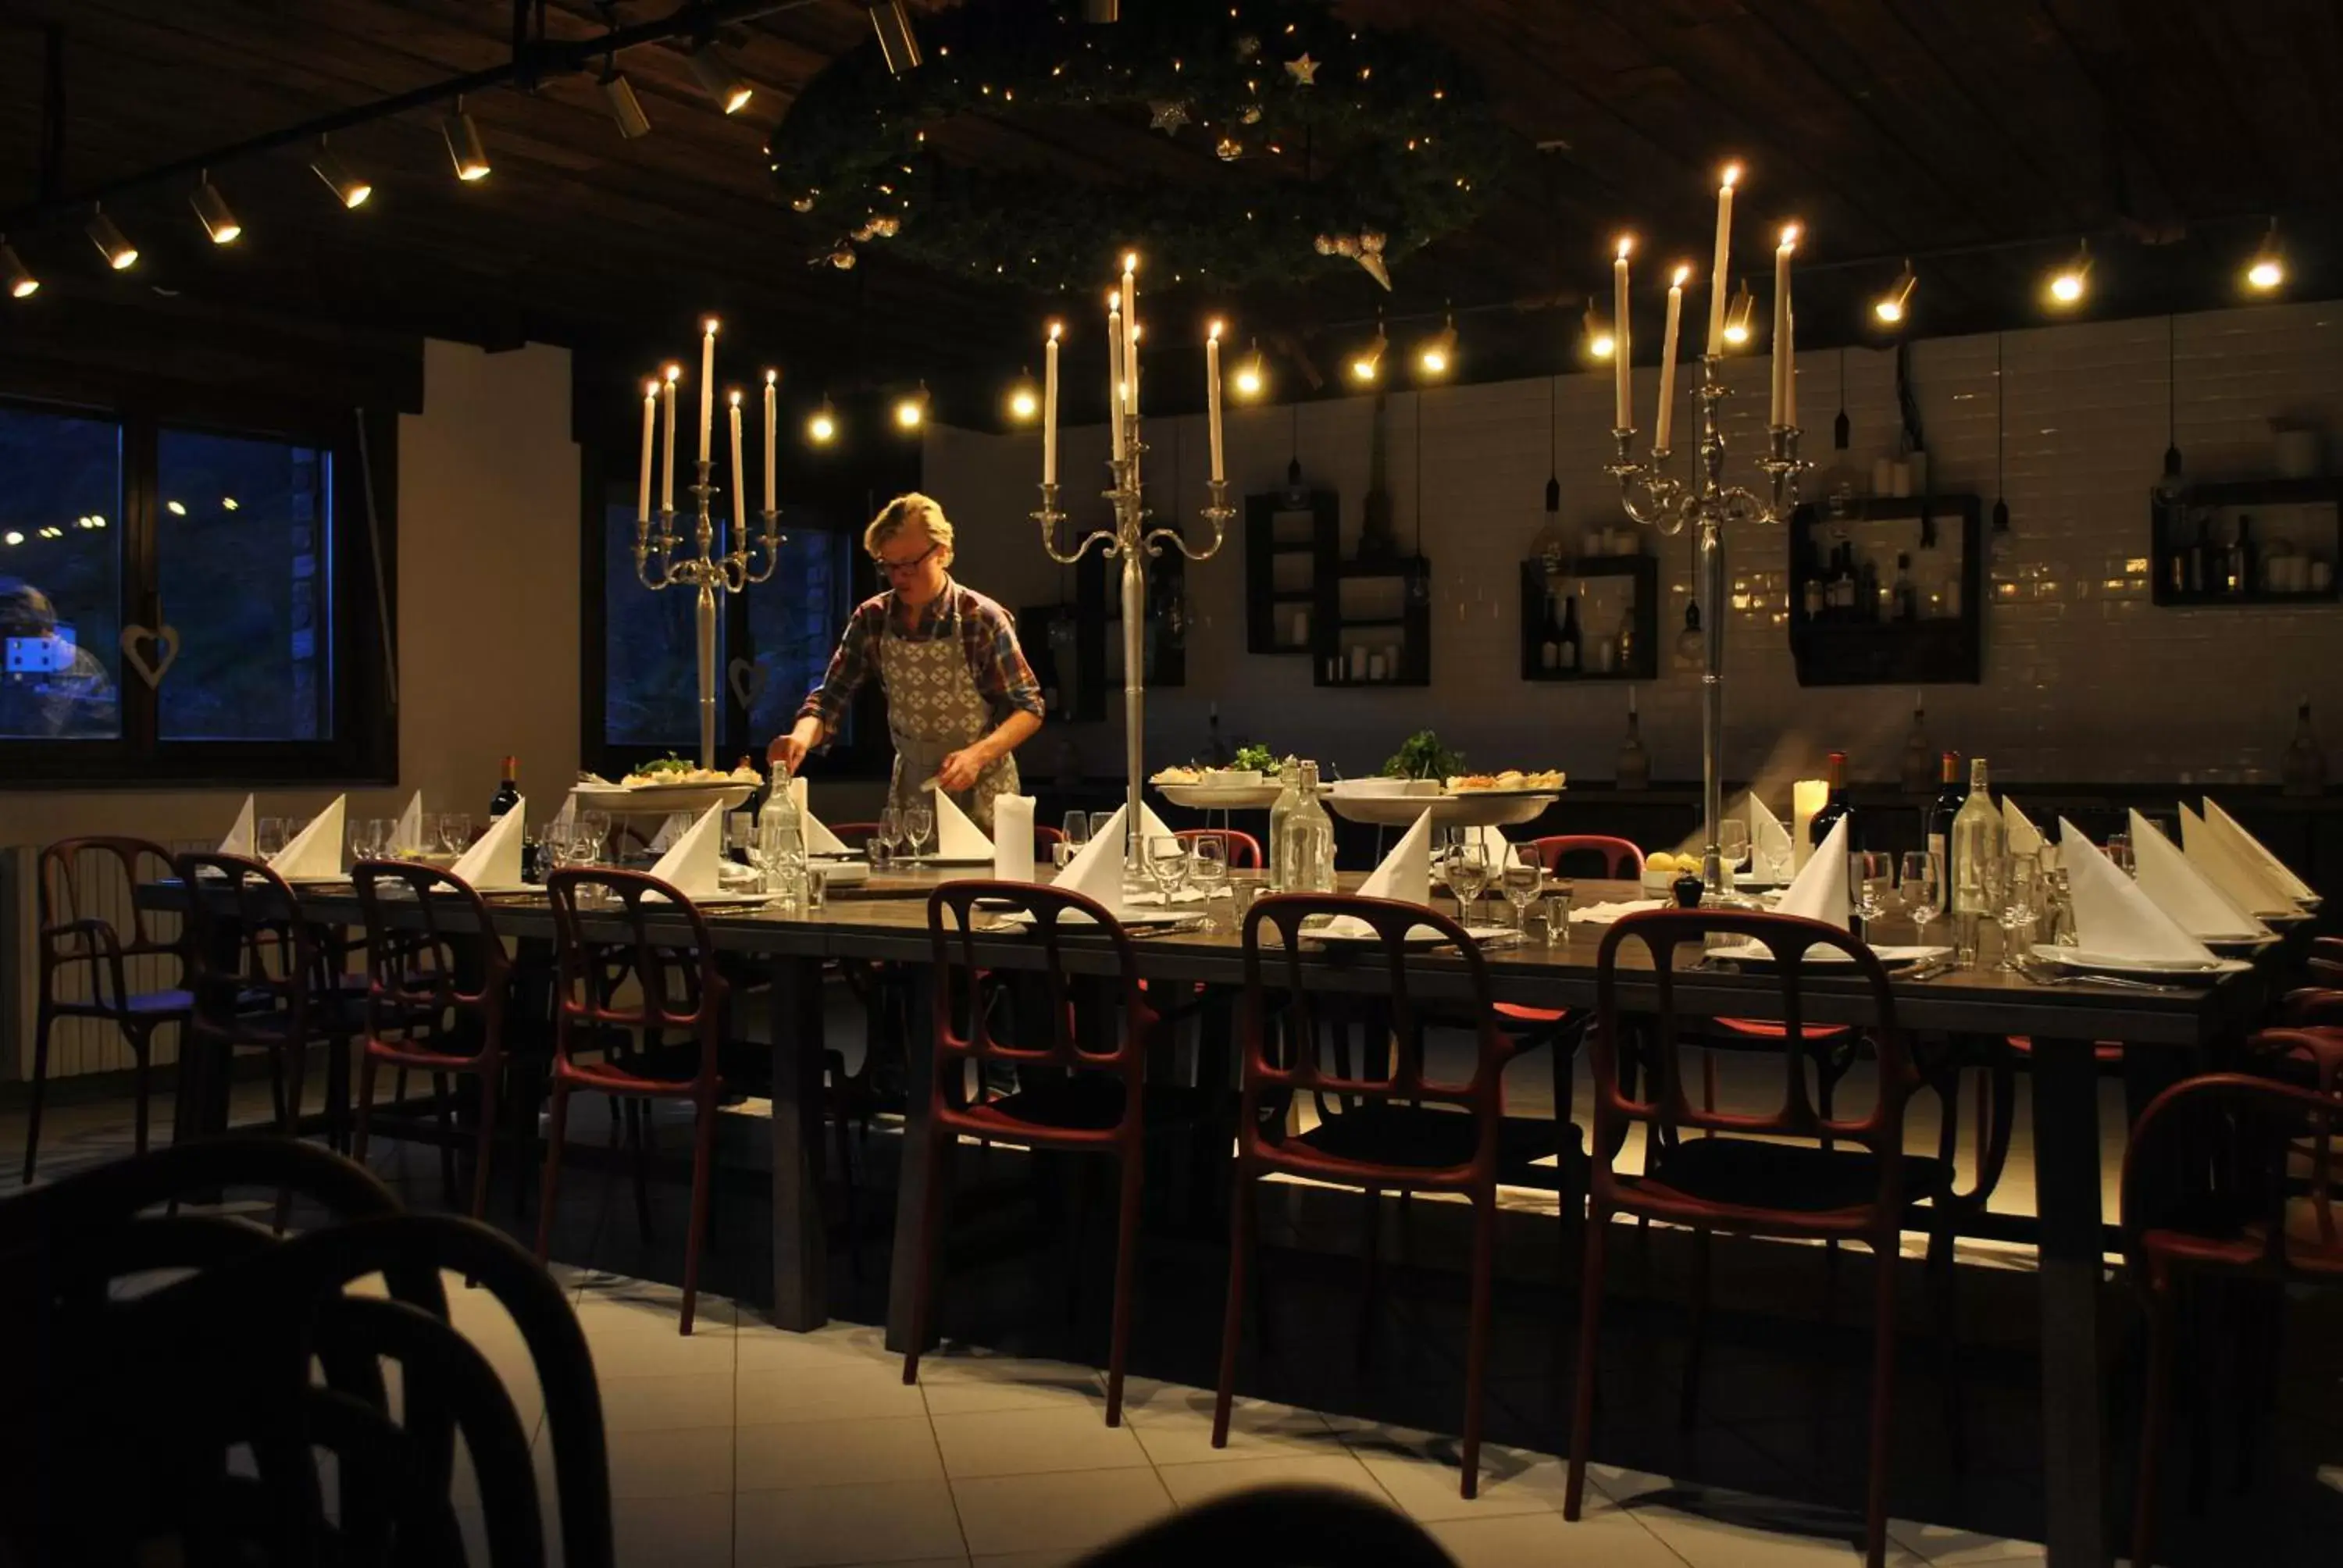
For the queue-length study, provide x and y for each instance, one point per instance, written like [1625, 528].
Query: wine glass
[1524, 875]
[1924, 889]
[1733, 841]
[366, 838]
[2021, 881]
[1869, 876]
[596, 825]
[269, 836]
[917, 822]
[1076, 838]
[1167, 863]
[1468, 876]
[2119, 851]
[1208, 872]
[455, 831]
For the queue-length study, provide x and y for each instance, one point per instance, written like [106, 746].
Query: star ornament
[1167, 116]
[1304, 71]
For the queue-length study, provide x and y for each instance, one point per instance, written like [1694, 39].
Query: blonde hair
[905, 511]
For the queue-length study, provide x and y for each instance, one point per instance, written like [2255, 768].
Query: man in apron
[959, 696]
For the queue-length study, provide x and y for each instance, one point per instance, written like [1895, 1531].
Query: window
[186, 602]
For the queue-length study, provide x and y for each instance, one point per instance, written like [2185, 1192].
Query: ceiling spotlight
[1892, 307]
[821, 429]
[911, 412]
[1252, 375]
[2068, 283]
[176, 509]
[1101, 11]
[228, 503]
[347, 188]
[118, 252]
[1023, 401]
[14, 536]
[1595, 330]
[212, 207]
[1438, 355]
[22, 283]
[1369, 361]
[712, 66]
[2267, 268]
[1738, 313]
[464, 148]
[626, 110]
[898, 46]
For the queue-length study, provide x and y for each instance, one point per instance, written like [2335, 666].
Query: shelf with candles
[1281, 532]
[1935, 636]
[1620, 595]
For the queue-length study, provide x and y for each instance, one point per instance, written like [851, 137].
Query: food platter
[1473, 809]
[1220, 798]
[659, 800]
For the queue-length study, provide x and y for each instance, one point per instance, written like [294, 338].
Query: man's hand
[958, 774]
[788, 751]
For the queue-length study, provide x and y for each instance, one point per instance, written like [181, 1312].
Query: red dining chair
[436, 981]
[673, 984]
[2234, 1176]
[1561, 1028]
[73, 878]
[1792, 1173]
[1622, 860]
[1243, 849]
[1074, 1096]
[1398, 1128]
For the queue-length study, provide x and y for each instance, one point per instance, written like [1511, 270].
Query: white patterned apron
[933, 709]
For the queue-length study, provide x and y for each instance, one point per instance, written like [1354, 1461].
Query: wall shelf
[2170, 557]
[1280, 526]
[1852, 647]
[1637, 577]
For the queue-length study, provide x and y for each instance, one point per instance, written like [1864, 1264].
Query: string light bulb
[1594, 331]
[465, 149]
[1252, 375]
[911, 412]
[118, 251]
[22, 283]
[712, 68]
[1438, 355]
[1891, 308]
[2267, 270]
[1369, 363]
[212, 209]
[2068, 284]
[1739, 312]
[349, 188]
[821, 429]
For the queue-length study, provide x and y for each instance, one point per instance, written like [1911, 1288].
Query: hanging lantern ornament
[805, 203]
[1167, 114]
[1251, 115]
[840, 255]
[1304, 71]
[1229, 149]
[1371, 256]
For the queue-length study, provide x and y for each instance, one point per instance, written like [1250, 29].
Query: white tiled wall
[2086, 679]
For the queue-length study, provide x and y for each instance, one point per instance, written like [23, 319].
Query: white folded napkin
[240, 837]
[1404, 875]
[818, 839]
[2114, 917]
[1771, 854]
[2184, 892]
[564, 821]
[1012, 838]
[1820, 891]
[314, 855]
[957, 838]
[2256, 852]
[1608, 914]
[493, 861]
[669, 830]
[2018, 831]
[408, 834]
[691, 863]
[2250, 886]
[1096, 873]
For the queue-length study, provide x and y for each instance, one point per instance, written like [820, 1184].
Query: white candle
[667, 449]
[1131, 327]
[650, 419]
[740, 480]
[1790, 377]
[772, 377]
[1115, 348]
[1212, 396]
[1783, 351]
[707, 387]
[1807, 797]
[1050, 408]
[1662, 425]
[1717, 273]
[1622, 373]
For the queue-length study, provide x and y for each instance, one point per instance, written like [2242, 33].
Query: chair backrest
[434, 965]
[85, 897]
[611, 923]
[2233, 1157]
[254, 962]
[1621, 858]
[1787, 939]
[1243, 849]
[1279, 1032]
[2324, 963]
[854, 835]
[978, 1021]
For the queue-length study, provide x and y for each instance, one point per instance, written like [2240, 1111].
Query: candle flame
[1732, 176]
[734, 396]
[709, 325]
[675, 373]
[1214, 333]
[1114, 299]
[1055, 328]
[650, 387]
[771, 377]
[1626, 244]
[1130, 261]
[1789, 237]
[1683, 273]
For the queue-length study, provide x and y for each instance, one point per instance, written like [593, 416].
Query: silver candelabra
[1707, 503]
[709, 573]
[1133, 541]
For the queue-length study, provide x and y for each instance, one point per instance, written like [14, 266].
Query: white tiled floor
[749, 1445]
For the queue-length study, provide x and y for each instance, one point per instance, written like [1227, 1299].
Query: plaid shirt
[988, 635]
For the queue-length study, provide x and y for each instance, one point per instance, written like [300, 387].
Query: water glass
[1167, 864]
[1208, 871]
[270, 835]
[1102, 824]
[1077, 831]
[817, 888]
[366, 838]
[596, 825]
[1924, 889]
[2119, 851]
[918, 820]
[1524, 874]
[739, 829]
[1468, 876]
[1870, 878]
[2020, 888]
[455, 832]
[1733, 840]
[1557, 913]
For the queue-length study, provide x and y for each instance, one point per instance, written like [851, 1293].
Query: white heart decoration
[748, 680]
[165, 637]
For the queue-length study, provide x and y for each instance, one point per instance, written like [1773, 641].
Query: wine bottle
[1837, 809]
[2306, 764]
[1568, 638]
[1626, 640]
[1939, 831]
[2245, 569]
[507, 795]
[1979, 842]
[1550, 638]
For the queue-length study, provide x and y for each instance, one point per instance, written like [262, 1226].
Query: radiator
[76, 1045]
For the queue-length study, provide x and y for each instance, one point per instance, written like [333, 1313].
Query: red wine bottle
[507, 795]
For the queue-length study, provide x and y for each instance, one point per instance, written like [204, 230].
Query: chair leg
[1367, 1298]
[2153, 1421]
[365, 1108]
[1476, 1341]
[638, 1112]
[40, 1089]
[142, 1078]
[1695, 1351]
[446, 1138]
[560, 1119]
[1590, 1325]
[924, 1268]
[1883, 1399]
[1244, 1244]
[485, 1145]
[703, 1161]
[1126, 1259]
[295, 1063]
[1945, 1275]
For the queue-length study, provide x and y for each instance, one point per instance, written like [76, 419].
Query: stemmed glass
[1525, 876]
[366, 838]
[1167, 864]
[455, 832]
[1924, 891]
[1208, 871]
[917, 821]
[890, 833]
[596, 825]
[1733, 841]
[1870, 875]
[1468, 876]
[270, 837]
[2021, 879]
[2119, 851]
[1077, 836]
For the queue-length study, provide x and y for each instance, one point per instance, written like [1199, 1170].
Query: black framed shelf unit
[1367, 611]
[1617, 604]
[1281, 532]
[1847, 625]
[2196, 562]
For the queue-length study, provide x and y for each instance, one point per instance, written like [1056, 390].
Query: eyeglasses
[896, 568]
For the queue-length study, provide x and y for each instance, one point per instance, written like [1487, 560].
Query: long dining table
[885, 921]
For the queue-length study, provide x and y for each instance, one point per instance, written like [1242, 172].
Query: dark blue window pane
[649, 641]
[60, 576]
[795, 619]
[244, 566]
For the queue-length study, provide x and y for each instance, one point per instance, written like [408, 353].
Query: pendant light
[22, 283]
[213, 209]
[118, 251]
[1552, 460]
[1419, 580]
[349, 188]
[465, 149]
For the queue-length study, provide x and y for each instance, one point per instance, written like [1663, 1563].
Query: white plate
[1419, 936]
[2242, 940]
[2076, 958]
[1759, 953]
[1480, 809]
[1499, 794]
[1222, 798]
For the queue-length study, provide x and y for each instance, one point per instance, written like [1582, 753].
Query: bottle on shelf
[2200, 553]
[1568, 639]
[1811, 593]
[1289, 795]
[1870, 599]
[2306, 764]
[507, 795]
[1309, 838]
[1635, 768]
[1550, 637]
[1626, 639]
[1938, 831]
[2168, 499]
[1919, 760]
[1979, 843]
[1903, 595]
[2245, 558]
[1837, 809]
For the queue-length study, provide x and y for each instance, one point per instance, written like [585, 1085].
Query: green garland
[1401, 145]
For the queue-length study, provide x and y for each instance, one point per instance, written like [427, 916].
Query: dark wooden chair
[436, 988]
[1622, 860]
[1275, 1526]
[608, 1040]
[1395, 1127]
[2230, 1176]
[75, 940]
[1841, 1179]
[1243, 849]
[1073, 1095]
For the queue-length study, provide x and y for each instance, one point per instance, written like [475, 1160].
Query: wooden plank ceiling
[1890, 126]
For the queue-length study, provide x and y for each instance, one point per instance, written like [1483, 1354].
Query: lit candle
[667, 449]
[1622, 373]
[707, 387]
[1131, 327]
[1115, 348]
[771, 378]
[650, 419]
[1661, 426]
[1783, 351]
[1808, 795]
[1717, 273]
[1790, 379]
[1050, 408]
[739, 478]
[1212, 396]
